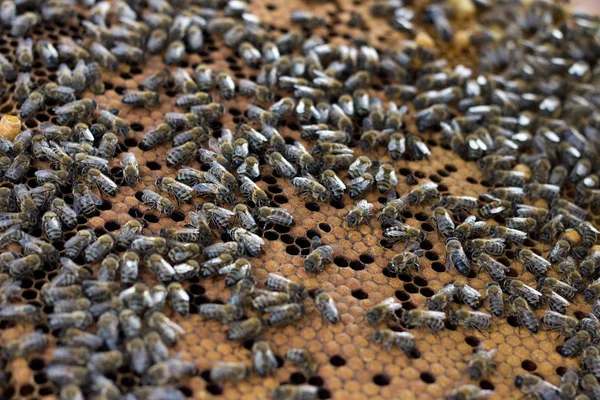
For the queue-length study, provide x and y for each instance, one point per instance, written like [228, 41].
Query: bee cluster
[526, 115]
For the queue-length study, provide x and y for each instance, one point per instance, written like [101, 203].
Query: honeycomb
[350, 365]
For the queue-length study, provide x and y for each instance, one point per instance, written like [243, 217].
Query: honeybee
[424, 193]
[481, 363]
[495, 269]
[359, 213]
[245, 330]
[386, 178]
[456, 257]
[295, 392]
[281, 284]
[466, 294]
[168, 330]
[457, 203]
[179, 299]
[307, 186]
[226, 85]
[432, 320]
[263, 359]
[156, 136]
[575, 344]
[75, 319]
[158, 202]
[75, 245]
[20, 312]
[18, 168]
[382, 311]
[537, 265]
[163, 270]
[63, 375]
[470, 319]
[208, 112]
[518, 288]
[563, 324]
[401, 232]
[221, 312]
[444, 222]
[260, 93]
[99, 248]
[468, 392]
[493, 246]
[284, 314]
[325, 304]
[181, 154]
[34, 342]
[101, 181]
[149, 245]
[520, 309]
[169, 371]
[403, 262]
[114, 122]
[277, 216]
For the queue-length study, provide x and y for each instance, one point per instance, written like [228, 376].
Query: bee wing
[532, 290]
[379, 175]
[278, 278]
[226, 269]
[174, 326]
[434, 314]
[93, 197]
[206, 188]
[388, 301]
[469, 291]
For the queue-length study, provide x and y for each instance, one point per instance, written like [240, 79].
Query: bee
[20, 312]
[99, 248]
[281, 284]
[589, 384]
[267, 299]
[127, 53]
[197, 134]
[114, 122]
[168, 330]
[282, 166]
[52, 226]
[75, 319]
[75, 245]
[282, 108]
[468, 392]
[383, 311]
[284, 314]
[471, 319]
[163, 270]
[193, 99]
[138, 355]
[179, 299]
[592, 291]
[360, 185]
[263, 359]
[295, 392]
[591, 360]
[425, 193]
[158, 202]
[466, 294]
[386, 178]
[360, 166]
[359, 213]
[458, 203]
[71, 355]
[221, 312]
[141, 98]
[590, 263]
[261, 93]
[236, 271]
[208, 112]
[157, 350]
[224, 177]
[401, 232]
[247, 241]
[170, 371]
[430, 118]
[561, 323]
[129, 232]
[108, 361]
[181, 154]
[33, 104]
[131, 169]
[180, 191]
[34, 342]
[326, 306]
[494, 246]
[275, 215]
[481, 363]
[307, 186]
[456, 257]
[77, 337]
[495, 269]
[245, 330]
[22, 87]
[432, 320]
[575, 344]
[534, 263]
[108, 145]
[302, 359]
[66, 375]
[444, 222]
[520, 309]
[403, 262]
[230, 372]
[226, 85]
[221, 249]
[24, 53]
[149, 245]
[204, 77]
